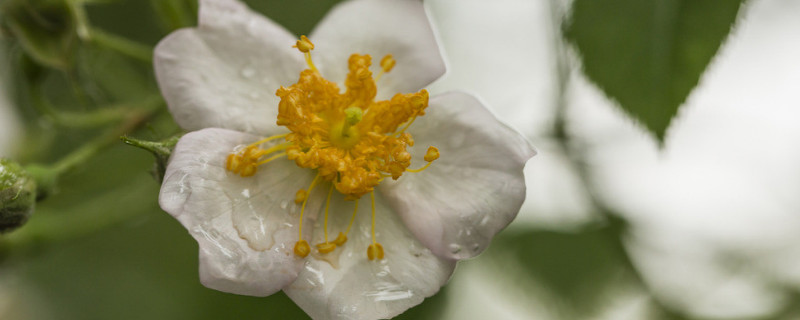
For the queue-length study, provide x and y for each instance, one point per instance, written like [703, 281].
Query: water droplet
[284, 204]
[246, 193]
[485, 220]
[455, 248]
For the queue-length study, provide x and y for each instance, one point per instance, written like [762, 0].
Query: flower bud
[17, 195]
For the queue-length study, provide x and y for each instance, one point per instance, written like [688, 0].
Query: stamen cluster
[351, 139]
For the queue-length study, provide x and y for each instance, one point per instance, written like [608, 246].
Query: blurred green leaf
[581, 269]
[298, 16]
[649, 55]
[176, 14]
[44, 28]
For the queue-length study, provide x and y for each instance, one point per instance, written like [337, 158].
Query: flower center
[353, 141]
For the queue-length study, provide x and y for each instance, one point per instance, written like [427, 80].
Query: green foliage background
[100, 247]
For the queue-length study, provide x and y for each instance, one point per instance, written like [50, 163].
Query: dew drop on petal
[455, 248]
[284, 204]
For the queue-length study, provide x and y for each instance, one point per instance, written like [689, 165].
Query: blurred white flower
[246, 210]
[714, 214]
[502, 51]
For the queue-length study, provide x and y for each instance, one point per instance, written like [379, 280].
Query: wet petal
[352, 287]
[473, 190]
[378, 28]
[225, 72]
[246, 227]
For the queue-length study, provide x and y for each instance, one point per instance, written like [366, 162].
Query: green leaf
[649, 55]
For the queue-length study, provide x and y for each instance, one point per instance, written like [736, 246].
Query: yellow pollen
[326, 247]
[302, 244]
[375, 251]
[387, 63]
[245, 162]
[300, 196]
[432, 154]
[301, 248]
[340, 239]
[304, 45]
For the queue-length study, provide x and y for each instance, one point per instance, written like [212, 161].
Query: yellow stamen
[301, 248]
[267, 139]
[327, 206]
[375, 250]
[340, 239]
[304, 45]
[302, 243]
[270, 159]
[245, 162]
[431, 154]
[352, 140]
[326, 247]
[420, 169]
[300, 196]
[387, 63]
[372, 197]
[353, 218]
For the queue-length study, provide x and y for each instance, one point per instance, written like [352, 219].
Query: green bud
[17, 195]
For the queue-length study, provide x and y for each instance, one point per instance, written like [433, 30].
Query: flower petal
[225, 72]
[245, 227]
[378, 28]
[473, 190]
[353, 287]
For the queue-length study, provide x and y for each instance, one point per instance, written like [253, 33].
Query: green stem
[122, 45]
[46, 176]
[91, 119]
[80, 155]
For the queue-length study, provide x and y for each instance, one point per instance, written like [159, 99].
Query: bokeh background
[666, 185]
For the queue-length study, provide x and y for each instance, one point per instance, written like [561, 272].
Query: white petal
[378, 28]
[246, 227]
[225, 72]
[473, 190]
[353, 287]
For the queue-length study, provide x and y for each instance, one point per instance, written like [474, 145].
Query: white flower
[242, 199]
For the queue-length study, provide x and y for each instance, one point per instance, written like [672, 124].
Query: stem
[134, 120]
[122, 45]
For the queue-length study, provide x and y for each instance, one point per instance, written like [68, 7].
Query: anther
[326, 247]
[432, 154]
[300, 196]
[302, 249]
[304, 45]
[375, 251]
[340, 239]
[387, 63]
